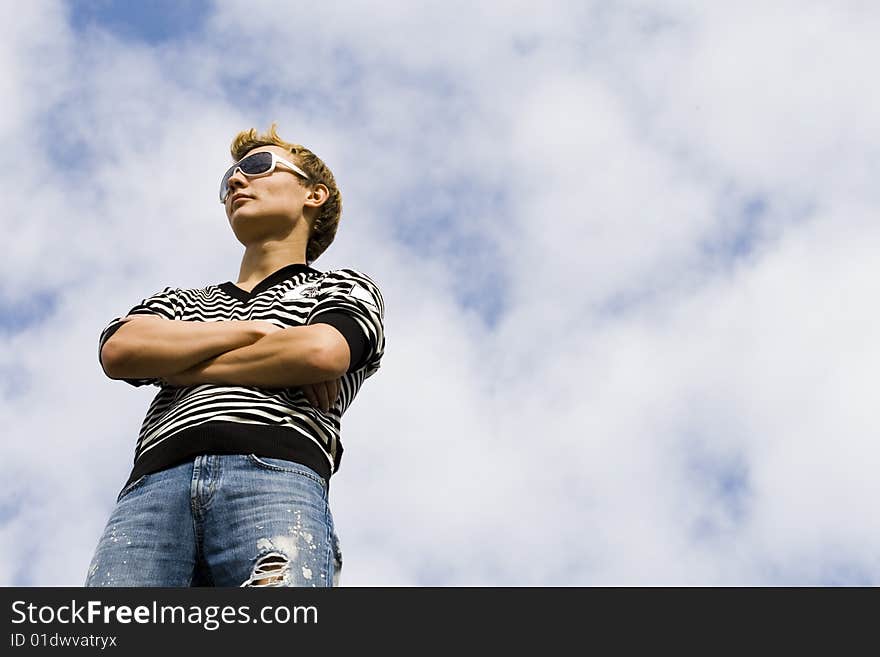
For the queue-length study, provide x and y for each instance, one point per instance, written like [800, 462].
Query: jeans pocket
[283, 465]
[130, 487]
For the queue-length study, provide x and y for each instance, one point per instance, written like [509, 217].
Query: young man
[232, 466]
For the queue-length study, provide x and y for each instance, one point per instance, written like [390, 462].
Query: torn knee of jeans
[271, 569]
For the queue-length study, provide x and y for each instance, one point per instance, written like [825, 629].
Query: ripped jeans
[221, 520]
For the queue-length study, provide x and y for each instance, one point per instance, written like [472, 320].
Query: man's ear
[317, 196]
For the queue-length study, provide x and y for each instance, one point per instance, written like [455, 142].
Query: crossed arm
[247, 353]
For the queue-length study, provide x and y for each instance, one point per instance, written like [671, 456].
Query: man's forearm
[291, 357]
[147, 347]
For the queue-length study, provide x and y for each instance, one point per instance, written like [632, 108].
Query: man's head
[284, 193]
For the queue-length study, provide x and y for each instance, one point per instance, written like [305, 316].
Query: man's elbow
[112, 358]
[117, 351]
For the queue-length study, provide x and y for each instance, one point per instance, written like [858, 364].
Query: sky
[627, 251]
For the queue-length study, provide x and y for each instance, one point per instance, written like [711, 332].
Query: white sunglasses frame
[275, 162]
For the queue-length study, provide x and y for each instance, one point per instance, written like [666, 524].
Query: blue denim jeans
[221, 520]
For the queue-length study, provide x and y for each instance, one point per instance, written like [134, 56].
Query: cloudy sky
[625, 249]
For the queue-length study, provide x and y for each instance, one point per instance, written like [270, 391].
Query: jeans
[221, 520]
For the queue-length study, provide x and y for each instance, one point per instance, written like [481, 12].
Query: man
[232, 466]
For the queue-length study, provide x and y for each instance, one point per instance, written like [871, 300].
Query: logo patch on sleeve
[362, 295]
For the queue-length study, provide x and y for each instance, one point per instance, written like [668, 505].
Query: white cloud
[651, 407]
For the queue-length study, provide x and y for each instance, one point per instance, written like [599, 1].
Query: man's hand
[322, 395]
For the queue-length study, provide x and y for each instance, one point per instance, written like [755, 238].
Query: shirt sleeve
[351, 302]
[162, 304]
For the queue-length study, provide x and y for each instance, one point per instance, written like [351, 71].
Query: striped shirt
[183, 422]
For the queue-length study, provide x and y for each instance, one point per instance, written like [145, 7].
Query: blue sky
[152, 21]
[626, 250]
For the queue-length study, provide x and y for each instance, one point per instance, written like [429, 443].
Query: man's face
[260, 207]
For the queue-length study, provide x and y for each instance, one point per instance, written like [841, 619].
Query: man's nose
[237, 179]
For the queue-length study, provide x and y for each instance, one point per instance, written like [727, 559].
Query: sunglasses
[254, 166]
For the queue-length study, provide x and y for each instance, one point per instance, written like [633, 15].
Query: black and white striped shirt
[183, 422]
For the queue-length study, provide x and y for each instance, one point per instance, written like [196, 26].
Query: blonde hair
[326, 221]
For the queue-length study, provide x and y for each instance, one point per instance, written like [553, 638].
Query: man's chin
[239, 217]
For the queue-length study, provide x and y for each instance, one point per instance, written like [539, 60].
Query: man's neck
[262, 260]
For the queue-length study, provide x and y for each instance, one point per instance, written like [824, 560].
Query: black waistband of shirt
[233, 438]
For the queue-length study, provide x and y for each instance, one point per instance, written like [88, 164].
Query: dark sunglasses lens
[251, 166]
[256, 163]
[224, 186]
